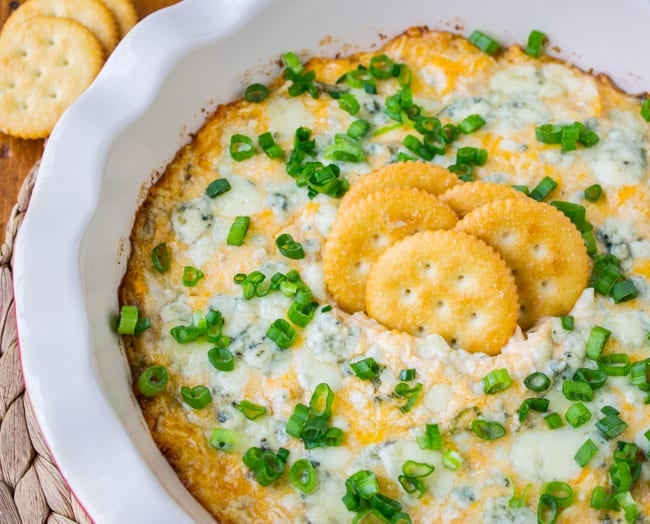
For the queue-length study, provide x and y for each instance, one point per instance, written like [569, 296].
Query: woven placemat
[32, 489]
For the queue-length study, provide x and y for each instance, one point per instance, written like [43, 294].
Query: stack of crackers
[50, 52]
[422, 252]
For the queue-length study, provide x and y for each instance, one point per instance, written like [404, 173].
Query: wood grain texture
[18, 156]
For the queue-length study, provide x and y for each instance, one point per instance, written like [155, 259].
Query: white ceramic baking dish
[156, 89]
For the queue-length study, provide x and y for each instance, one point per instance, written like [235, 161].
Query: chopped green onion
[594, 377]
[221, 359]
[536, 42]
[436, 144]
[250, 411]
[568, 322]
[615, 364]
[197, 397]
[281, 332]
[366, 369]
[590, 242]
[256, 93]
[570, 137]
[537, 382]
[543, 189]
[381, 66]
[414, 145]
[522, 189]
[549, 134]
[412, 394]
[452, 460]
[547, 509]
[303, 476]
[645, 109]
[141, 326]
[404, 75]
[363, 483]
[224, 439]
[574, 390]
[128, 320]
[266, 465]
[218, 187]
[593, 193]
[464, 171]
[471, 155]
[609, 410]
[585, 453]
[486, 430]
[626, 452]
[320, 404]
[428, 125]
[602, 499]
[292, 61]
[431, 438]
[160, 257]
[577, 414]
[241, 147]
[191, 276]
[485, 43]
[574, 212]
[412, 473]
[620, 476]
[407, 374]
[598, 337]
[326, 308]
[297, 420]
[561, 492]
[345, 149]
[471, 123]
[238, 231]
[358, 129]
[624, 291]
[333, 437]
[640, 374]
[605, 273]
[289, 247]
[536, 404]
[611, 426]
[302, 315]
[496, 381]
[450, 133]
[186, 334]
[554, 421]
[268, 145]
[349, 103]
[361, 79]
[153, 381]
[519, 501]
[630, 508]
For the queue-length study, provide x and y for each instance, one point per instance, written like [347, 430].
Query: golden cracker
[421, 175]
[543, 248]
[45, 64]
[466, 197]
[92, 14]
[124, 13]
[449, 283]
[365, 229]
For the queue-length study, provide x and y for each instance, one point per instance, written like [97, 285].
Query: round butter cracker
[543, 248]
[92, 14]
[365, 229]
[124, 13]
[466, 197]
[45, 64]
[449, 283]
[421, 175]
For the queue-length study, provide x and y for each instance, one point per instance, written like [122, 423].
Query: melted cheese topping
[451, 79]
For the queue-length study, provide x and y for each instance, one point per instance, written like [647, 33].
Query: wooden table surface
[17, 156]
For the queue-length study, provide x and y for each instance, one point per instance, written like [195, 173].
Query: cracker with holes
[466, 197]
[45, 64]
[449, 283]
[92, 14]
[365, 229]
[542, 247]
[124, 13]
[421, 175]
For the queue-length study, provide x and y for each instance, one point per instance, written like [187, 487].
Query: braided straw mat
[32, 489]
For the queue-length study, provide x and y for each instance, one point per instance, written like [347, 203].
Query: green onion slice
[553, 420]
[585, 453]
[358, 129]
[224, 439]
[281, 332]
[561, 492]
[128, 320]
[487, 430]
[536, 404]
[537, 382]
[366, 369]
[568, 322]
[547, 509]
[289, 247]
[602, 499]
[628, 504]
[611, 426]
[485, 43]
[598, 337]
[218, 187]
[297, 420]
[160, 257]
[191, 276]
[543, 189]
[241, 147]
[303, 476]
[536, 42]
[431, 438]
[412, 394]
[645, 109]
[249, 410]
[452, 460]
[197, 397]
[221, 359]
[256, 93]
[615, 364]
[153, 381]
[268, 145]
[593, 193]
[381, 67]
[407, 374]
[496, 381]
[471, 123]
[320, 404]
[238, 231]
[580, 391]
[549, 134]
[624, 291]
[594, 377]
[349, 103]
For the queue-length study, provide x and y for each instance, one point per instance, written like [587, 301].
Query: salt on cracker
[428, 177]
[466, 197]
[92, 14]
[542, 247]
[124, 13]
[365, 229]
[45, 64]
[449, 283]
